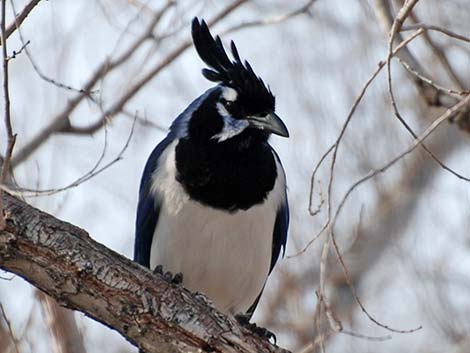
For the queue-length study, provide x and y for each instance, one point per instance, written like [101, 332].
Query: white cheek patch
[232, 127]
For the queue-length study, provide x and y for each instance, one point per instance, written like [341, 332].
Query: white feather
[223, 255]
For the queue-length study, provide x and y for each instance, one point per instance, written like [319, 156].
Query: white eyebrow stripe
[229, 94]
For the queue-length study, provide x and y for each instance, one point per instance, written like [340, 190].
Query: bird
[212, 200]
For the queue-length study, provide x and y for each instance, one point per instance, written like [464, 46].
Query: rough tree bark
[81, 274]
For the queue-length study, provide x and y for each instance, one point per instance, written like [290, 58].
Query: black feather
[210, 74]
[235, 53]
[236, 74]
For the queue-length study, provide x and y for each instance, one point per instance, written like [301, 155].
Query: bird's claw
[244, 320]
[168, 276]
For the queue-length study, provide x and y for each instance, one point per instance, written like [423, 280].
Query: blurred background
[96, 84]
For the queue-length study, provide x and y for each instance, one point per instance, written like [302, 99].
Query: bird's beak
[270, 122]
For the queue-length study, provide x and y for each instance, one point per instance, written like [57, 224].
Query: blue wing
[148, 208]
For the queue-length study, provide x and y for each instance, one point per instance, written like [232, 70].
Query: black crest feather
[235, 74]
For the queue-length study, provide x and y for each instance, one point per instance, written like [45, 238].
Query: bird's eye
[227, 104]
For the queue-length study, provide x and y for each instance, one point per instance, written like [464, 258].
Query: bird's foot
[244, 320]
[169, 277]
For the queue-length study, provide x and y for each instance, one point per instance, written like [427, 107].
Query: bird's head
[241, 106]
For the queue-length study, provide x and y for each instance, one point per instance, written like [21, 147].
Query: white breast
[224, 255]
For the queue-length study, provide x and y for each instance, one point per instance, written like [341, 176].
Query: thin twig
[335, 145]
[321, 202]
[42, 75]
[317, 319]
[331, 221]
[10, 330]
[19, 19]
[350, 115]
[435, 28]
[16, 53]
[11, 138]
[395, 28]
[89, 94]
[440, 55]
[310, 242]
[94, 171]
[303, 9]
[366, 337]
[61, 122]
[312, 181]
[449, 113]
[430, 82]
[134, 89]
[356, 296]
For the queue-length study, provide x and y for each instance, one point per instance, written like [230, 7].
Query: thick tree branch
[81, 274]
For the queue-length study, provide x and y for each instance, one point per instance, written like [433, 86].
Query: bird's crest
[235, 74]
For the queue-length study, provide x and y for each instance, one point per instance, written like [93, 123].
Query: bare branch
[334, 147]
[134, 89]
[441, 56]
[10, 330]
[430, 82]
[61, 122]
[304, 9]
[19, 19]
[11, 138]
[435, 28]
[18, 52]
[95, 170]
[351, 286]
[462, 105]
[428, 91]
[447, 115]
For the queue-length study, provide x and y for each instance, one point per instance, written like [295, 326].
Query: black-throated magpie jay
[212, 202]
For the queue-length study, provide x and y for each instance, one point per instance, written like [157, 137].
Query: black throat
[224, 176]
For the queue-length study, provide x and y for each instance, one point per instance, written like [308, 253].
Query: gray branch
[81, 274]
